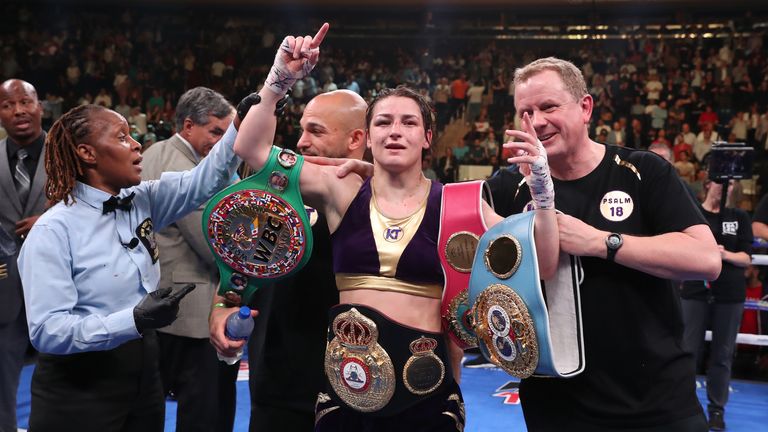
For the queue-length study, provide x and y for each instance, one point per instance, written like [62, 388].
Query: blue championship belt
[258, 228]
[516, 328]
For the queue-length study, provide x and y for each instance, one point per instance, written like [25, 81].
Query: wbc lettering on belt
[257, 233]
[266, 245]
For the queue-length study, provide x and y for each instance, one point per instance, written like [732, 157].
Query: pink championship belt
[461, 225]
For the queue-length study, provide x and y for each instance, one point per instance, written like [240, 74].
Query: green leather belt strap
[258, 228]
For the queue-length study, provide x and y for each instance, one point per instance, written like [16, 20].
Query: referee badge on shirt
[424, 371]
[146, 234]
[359, 370]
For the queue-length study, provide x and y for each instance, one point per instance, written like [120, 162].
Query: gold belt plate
[358, 369]
[504, 324]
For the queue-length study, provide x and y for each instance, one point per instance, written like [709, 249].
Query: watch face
[614, 241]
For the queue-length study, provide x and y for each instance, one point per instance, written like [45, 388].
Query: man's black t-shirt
[735, 234]
[287, 347]
[636, 372]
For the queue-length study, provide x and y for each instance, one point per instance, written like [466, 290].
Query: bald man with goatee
[22, 201]
[286, 349]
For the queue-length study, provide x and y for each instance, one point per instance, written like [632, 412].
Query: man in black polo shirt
[627, 214]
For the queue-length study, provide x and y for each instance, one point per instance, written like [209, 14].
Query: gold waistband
[348, 282]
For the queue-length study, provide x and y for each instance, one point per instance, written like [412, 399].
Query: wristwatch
[613, 242]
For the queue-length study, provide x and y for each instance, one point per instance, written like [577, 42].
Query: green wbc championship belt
[258, 229]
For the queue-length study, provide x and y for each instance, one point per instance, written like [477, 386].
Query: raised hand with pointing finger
[295, 59]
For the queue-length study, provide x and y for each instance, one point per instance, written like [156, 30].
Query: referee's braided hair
[61, 162]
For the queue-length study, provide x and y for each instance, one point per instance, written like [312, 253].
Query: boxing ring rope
[745, 338]
[758, 259]
[752, 304]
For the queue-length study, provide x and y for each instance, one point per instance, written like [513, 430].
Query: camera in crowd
[730, 161]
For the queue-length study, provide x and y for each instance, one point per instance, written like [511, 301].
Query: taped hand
[295, 59]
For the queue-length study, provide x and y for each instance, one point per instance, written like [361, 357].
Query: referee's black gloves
[252, 99]
[159, 308]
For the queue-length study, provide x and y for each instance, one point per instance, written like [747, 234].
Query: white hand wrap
[281, 78]
[540, 181]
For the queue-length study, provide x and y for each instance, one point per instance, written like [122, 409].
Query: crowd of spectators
[686, 93]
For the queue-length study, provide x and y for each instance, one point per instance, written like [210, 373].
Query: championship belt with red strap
[258, 228]
[523, 326]
[461, 225]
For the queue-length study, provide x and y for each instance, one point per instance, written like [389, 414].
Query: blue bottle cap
[245, 312]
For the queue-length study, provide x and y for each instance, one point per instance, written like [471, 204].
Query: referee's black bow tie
[114, 203]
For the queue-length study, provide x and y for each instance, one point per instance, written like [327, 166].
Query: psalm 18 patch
[146, 233]
[616, 206]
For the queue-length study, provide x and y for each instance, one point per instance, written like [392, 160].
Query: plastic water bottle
[239, 327]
